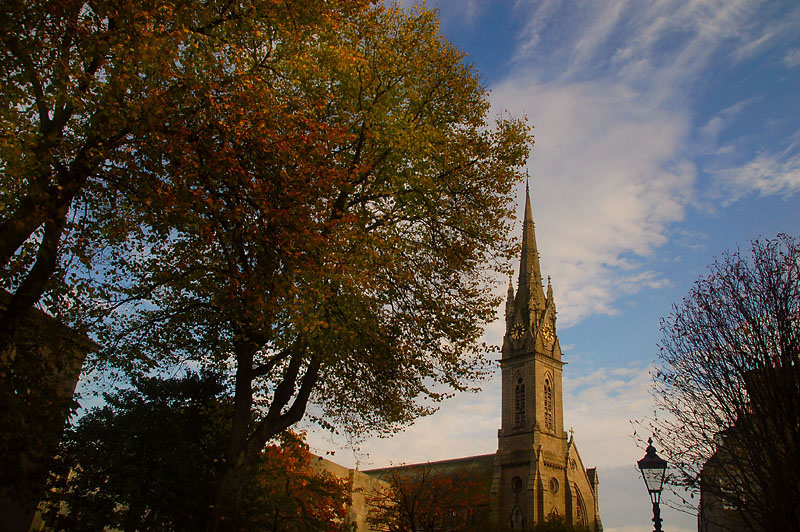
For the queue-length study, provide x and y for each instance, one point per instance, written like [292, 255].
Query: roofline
[421, 464]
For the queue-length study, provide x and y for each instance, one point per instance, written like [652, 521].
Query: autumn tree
[286, 493]
[420, 498]
[336, 248]
[307, 194]
[727, 385]
[88, 87]
[90, 92]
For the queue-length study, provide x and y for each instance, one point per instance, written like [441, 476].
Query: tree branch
[35, 281]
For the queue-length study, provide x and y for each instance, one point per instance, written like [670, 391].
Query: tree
[286, 494]
[91, 94]
[146, 460]
[728, 385]
[150, 460]
[88, 93]
[335, 250]
[421, 499]
[89, 89]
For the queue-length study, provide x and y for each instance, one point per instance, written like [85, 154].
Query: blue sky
[666, 133]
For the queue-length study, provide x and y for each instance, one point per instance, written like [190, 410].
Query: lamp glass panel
[653, 478]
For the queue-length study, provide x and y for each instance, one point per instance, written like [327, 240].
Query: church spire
[530, 294]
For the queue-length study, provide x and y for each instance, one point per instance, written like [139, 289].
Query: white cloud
[663, 42]
[768, 173]
[709, 133]
[791, 58]
[466, 425]
[606, 87]
[606, 183]
[600, 405]
[758, 36]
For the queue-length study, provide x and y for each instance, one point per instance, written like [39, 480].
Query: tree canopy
[285, 493]
[88, 92]
[339, 246]
[728, 385]
[309, 194]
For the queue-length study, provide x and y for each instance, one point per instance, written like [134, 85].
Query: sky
[667, 132]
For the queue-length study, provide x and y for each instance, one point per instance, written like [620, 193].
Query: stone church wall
[360, 486]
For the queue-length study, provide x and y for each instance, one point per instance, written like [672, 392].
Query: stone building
[39, 369]
[360, 487]
[716, 513]
[537, 470]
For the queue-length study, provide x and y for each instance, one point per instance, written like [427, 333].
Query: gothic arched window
[517, 520]
[519, 403]
[580, 511]
[548, 404]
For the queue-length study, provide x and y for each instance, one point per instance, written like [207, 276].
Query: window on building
[519, 403]
[517, 520]
[581, 518]
[548, 404]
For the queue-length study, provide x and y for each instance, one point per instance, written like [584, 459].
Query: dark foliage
[148, 460]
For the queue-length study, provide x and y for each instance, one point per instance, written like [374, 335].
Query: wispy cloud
[466, 425]
[708, 134]
[769, 173]
[599, 405]
[607, 87]
[606, 184]
[791, 58]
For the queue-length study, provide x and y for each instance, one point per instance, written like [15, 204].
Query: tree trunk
[246, 445]
[229, 498]
[228, 501]
[33, 285]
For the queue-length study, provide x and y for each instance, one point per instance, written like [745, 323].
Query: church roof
[479, 469]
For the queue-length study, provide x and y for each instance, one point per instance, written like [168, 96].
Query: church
[537, 470]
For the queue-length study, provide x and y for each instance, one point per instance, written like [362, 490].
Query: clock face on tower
[547, 331]
[517, 331]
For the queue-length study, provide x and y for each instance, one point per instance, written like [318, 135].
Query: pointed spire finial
[530, 295]
[527, 181]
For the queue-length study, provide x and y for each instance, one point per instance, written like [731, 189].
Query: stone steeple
[528, 312]
[530, 295]
[537, 470]
[530, 301]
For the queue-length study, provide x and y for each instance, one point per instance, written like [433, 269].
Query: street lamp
[653, 469]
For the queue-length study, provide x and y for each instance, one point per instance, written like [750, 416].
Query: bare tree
[727, 386]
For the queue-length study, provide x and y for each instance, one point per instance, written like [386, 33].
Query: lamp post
[653, 469]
